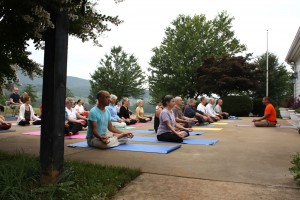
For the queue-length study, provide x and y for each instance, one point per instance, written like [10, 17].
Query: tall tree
[227, 75]
[119, 73]
[280, 79]
[188, 41]
[31, 91]
[21, 21]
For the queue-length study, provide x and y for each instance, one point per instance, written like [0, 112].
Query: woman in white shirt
[26, 114]
[79, 107]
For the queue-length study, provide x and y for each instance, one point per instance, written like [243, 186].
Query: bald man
[179, 117]
[98, 124]
[269, 118]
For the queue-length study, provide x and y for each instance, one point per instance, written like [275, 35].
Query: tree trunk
[54, 92]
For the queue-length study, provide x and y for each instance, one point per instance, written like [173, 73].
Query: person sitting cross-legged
[99, 122]
[3, 124]
[26, 114]
[139, 112]
[125, 113]
[179, 117]
[74, 120]
[168, 130]
[156, 116]
[15, 101]
[201, 107]
[191, 112]
[218, 109]
[269, 118]
[114, 117]
[210, 109]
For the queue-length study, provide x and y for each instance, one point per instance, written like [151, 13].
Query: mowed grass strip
[20, 178]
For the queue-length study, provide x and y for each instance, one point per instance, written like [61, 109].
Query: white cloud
[145, 22]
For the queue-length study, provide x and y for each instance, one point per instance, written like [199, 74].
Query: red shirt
[270, 110]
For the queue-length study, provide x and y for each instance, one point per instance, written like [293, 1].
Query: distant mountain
[79, 87]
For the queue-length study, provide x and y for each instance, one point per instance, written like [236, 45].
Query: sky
[145, 22]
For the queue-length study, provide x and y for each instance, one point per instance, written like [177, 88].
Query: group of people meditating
[172, 123]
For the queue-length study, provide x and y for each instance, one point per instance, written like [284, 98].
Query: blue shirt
[101, 118]
[113, 112]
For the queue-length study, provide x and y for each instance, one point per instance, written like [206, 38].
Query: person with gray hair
[112, 108]
[74, 120]
[139, 112]
[179, 117]
[210, 109]
[218, 109]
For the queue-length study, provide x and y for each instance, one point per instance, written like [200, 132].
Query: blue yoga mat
[196, 133]
[143, 131]
[134, 147]
[185, 141]
[5, 131]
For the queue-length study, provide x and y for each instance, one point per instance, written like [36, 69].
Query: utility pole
[54, 92]
[267, 75]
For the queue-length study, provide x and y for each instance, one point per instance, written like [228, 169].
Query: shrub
[237, 105]
[258, 107]
[295, 170]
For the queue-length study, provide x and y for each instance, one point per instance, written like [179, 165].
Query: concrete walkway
[246, 163]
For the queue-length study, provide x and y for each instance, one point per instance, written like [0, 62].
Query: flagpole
[267, 75]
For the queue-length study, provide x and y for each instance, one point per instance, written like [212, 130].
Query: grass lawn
[20, 179]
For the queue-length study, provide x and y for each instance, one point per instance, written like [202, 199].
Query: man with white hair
[210, 109]
[201, 107]
[112, 108]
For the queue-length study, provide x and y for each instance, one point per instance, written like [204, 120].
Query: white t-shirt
[218, 108]
[202, 108]
[71, 113]
[210, 110]
[80, 108]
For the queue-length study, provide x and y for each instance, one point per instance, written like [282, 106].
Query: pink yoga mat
[37, 133]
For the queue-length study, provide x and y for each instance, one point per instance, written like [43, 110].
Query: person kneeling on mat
[98, 123]
[168, 130]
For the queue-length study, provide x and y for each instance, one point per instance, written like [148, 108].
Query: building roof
[294, 52]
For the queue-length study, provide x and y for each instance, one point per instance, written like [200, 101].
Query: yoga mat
[5, 131]
[139, 124]
[251, 125]
[220, 123]
[206, 129]
[185, 140]
[134, 147]
[196, 133]
[125, 128]
[153, 132]
[143, 131]
[38, 133]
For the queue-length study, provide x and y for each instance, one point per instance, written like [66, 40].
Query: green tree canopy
[227, 75]
[280, 81]
[188, 41]
[31, 91]
[21, 21]
[119, 73]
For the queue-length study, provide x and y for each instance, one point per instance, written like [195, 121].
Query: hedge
[239, 106]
